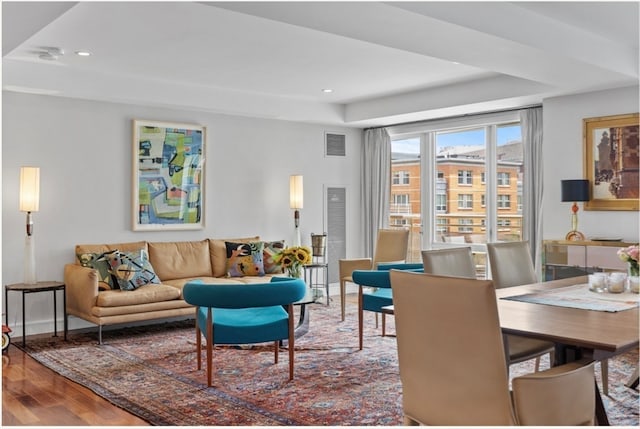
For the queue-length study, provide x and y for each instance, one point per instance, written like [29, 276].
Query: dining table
[579, 331]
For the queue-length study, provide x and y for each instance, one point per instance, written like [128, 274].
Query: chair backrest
[457, 262]
[450, 351]
[280, 291]
[391, 246]
[511, 264]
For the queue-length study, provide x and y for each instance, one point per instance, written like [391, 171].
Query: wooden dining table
[576, 332]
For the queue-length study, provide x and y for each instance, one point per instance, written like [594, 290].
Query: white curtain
[376, 177]
[531, 124]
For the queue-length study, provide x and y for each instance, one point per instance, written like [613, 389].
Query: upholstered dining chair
[453, 368]
[374, 292]
[459, 262]
[391, 246]
[454, 261]
[244, 314]
[512, 265]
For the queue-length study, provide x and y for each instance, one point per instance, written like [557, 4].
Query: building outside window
[465, 177]
[503, 178]
[401, 177]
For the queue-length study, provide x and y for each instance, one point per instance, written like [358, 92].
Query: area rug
[151, 372]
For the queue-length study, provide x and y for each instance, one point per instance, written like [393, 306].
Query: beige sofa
[174, 263]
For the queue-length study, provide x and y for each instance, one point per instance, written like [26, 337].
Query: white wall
[564, 159]
[84, 151]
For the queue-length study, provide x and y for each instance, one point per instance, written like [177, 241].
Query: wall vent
[336, 230]
[334, 144]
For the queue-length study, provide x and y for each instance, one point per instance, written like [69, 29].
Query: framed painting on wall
[611, 162]
[168, 176]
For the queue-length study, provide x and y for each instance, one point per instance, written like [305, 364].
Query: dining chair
[459, 262]
[244, 314]
[455, 261]
[453, 368]
[391, 246]
[374, 292]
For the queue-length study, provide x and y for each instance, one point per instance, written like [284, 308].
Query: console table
[565, 258]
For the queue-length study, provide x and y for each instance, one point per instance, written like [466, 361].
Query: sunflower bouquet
[292, 259]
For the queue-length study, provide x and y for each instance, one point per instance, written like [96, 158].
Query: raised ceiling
[386, 62]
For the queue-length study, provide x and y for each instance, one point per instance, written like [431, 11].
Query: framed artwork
[168, 176]
[611, 162]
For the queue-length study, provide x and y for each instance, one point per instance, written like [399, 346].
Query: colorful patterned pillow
[99, 262]
[244, 259]
[271, 248]
[131, 269]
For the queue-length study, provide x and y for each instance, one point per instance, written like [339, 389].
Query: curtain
[531, 124]
[375, 185]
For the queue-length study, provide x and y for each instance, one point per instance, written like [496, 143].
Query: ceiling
[386, 62]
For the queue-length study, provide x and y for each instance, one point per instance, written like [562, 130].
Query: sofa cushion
[218, 251]
[131, 269]
[180, 259]
[99, 262]
[245, 259]
[272, 248]
[143, 295]
[102, 248]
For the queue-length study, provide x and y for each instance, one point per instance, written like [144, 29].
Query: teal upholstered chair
[244, 314]
[378, 292]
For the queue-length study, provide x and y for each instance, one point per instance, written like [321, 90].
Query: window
[450, 153]
[504, 179]
[401, 177]
[464, 177]
[465, 201]
[465, 225]
[401, 199]
[504, 201]
[504, 222]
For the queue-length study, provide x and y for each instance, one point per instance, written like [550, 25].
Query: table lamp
[29, 202]
[295, 202]
[574, 191]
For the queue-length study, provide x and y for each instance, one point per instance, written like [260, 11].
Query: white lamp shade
[295, 192]
[29, 189]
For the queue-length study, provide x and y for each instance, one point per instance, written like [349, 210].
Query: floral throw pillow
[99, 262]
[245, 259]
[272, 248]
[131, 269]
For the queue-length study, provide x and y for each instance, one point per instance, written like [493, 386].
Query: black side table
[47, 286]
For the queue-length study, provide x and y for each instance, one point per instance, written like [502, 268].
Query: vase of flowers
[630, 255]
[292, 260]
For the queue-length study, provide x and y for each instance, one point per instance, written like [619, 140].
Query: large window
[450, 154]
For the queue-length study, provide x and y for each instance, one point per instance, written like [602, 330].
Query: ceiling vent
[334, 144]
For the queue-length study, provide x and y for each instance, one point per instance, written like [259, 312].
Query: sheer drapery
[375, 180]
[531, 125]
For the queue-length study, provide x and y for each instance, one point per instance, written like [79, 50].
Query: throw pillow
[132, 269]
[244, 259]
[272, 248]
[99, 262]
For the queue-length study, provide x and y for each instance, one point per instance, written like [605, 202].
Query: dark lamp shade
[575, 190]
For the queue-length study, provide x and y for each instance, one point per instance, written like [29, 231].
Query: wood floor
[33, 395]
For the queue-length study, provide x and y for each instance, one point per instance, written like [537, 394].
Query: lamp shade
[29, 189]
[295, 192]
[575, 190]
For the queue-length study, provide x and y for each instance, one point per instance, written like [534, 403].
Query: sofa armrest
[81, 288]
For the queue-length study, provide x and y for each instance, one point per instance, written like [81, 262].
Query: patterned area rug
[151, 372]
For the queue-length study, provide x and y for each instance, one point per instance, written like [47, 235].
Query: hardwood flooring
[33, 395]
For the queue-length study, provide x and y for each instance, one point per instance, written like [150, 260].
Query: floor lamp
[574, 191]
[295, 202]
[29, 202]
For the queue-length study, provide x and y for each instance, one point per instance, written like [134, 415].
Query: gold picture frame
[611, 162]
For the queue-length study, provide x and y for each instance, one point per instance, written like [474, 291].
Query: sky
[460, 138]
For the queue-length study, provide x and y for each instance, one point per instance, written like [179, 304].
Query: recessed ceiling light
[327, 90]
[83, 53]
